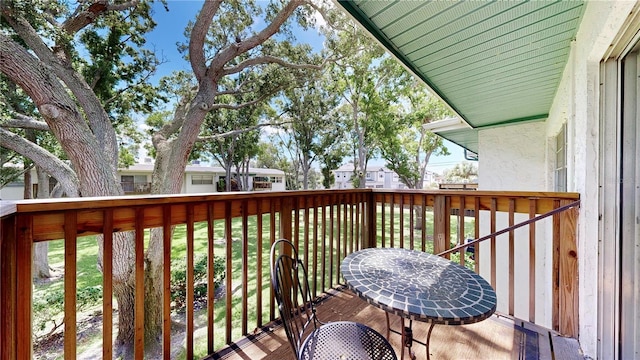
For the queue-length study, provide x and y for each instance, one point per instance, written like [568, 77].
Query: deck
[499, 337]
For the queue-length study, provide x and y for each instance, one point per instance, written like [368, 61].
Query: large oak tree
[85, 71]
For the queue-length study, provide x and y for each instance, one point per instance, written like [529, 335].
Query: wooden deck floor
[498, 337]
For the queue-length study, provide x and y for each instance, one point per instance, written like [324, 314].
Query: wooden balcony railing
[325, 225]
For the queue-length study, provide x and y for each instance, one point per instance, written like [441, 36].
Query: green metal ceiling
[493, 62]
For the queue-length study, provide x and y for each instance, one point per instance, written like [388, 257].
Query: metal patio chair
[309, 337]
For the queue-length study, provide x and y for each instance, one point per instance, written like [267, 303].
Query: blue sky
[170, 30]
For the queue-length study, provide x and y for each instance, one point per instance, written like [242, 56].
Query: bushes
[48, 309]
[179, 278]
[48, 304]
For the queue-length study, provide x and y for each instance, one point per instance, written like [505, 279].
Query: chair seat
[346, 340]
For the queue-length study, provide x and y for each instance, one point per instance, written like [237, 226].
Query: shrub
[48, 309]
[179, 278]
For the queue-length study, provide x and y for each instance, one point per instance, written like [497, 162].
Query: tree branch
[268, 59]
[51, 164]
[198, 37]
[82, 18]
[25, 122]
[245, 104]
[230, 52]
[239, 131]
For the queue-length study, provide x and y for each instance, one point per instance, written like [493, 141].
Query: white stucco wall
[577, 103]
[513, 158]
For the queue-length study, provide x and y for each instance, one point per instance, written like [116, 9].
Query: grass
[88, 274]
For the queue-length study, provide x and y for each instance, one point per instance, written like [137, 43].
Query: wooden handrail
[511, 228]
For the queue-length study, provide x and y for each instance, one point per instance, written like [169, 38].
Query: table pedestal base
[407, 337]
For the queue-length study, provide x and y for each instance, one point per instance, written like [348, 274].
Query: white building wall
[12, 192]
[578, 104]
[513, 158]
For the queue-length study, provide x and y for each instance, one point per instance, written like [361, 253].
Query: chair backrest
[292, 293]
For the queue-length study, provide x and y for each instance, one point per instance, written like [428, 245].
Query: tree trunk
[153, 294]
[41, 249]
[125, 297]
[41, 260]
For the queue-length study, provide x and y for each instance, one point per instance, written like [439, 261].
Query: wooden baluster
[314, 204]
[259, 262]
[245, 265]
[107, 285]
[331, 243]
[411, 220]
[461, 235]
[476, 247]
[423, 222]
[210, 278]
[402, 220]
[532, 262]
[512, 278]
[190, 295]
[358, 222]
[307, 251]
[494, 206]
[345, 227]
[228, 235]
[272, 237]
[324, 242]
[383, 223]
[296, 224]
[392, 220]
[338, 238]
[139, 292]
[70, 274]
[352, 223]
[555, 269]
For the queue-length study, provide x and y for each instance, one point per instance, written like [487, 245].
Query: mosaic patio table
[418, 286]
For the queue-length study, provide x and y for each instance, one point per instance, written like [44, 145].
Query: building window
[276, 179]
[134, 183]
[369, 176]
[201, 179]
[560, 171]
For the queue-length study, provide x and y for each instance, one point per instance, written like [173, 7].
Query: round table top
[419, 286]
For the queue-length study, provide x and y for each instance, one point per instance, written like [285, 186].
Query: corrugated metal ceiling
[493, 62]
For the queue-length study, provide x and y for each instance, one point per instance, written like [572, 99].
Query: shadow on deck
[498, 337]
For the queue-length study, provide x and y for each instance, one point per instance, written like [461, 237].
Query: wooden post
[441, 223]
[24, 281]
[8, 279]
[568, 276]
